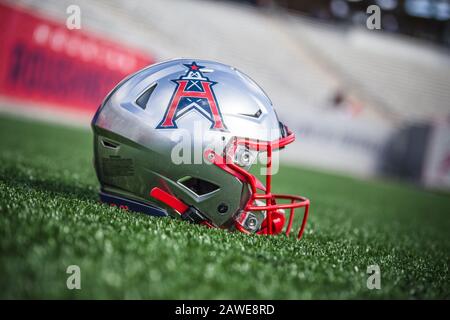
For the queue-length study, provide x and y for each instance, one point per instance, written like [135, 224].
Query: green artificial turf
[50, 219]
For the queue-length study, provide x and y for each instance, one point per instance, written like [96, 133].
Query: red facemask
[275, 219]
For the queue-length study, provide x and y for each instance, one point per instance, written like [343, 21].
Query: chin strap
[169, 200]
[187, 213]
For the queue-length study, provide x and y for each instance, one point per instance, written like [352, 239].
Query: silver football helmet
[178, 138]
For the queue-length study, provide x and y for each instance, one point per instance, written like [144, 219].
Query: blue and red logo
[193, 92]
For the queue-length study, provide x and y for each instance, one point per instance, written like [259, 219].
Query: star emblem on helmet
[193, 66]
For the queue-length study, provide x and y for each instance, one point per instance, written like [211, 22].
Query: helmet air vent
[145, 96]
[255, 115]
[109, 144]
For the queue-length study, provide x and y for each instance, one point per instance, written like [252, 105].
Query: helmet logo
[193, 92]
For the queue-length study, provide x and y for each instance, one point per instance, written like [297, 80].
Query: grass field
[50, 219]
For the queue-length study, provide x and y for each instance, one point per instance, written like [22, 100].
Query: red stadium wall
[43, 62]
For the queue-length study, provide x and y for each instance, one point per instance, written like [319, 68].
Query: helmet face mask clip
[141, 174]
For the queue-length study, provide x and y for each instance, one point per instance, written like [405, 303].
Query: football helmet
[179, 138]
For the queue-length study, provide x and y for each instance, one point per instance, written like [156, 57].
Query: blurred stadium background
[362, 102]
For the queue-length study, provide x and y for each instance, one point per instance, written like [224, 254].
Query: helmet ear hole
[198, 186]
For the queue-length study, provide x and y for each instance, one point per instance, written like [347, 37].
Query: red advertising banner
[42, 61]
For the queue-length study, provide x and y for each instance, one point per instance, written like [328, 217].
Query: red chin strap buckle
[186, 212]
[278, 220]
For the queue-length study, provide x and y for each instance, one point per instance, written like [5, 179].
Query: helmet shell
[134, 151]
